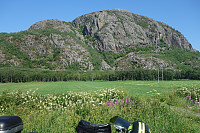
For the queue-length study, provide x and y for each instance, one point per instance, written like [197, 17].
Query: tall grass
[59, 113]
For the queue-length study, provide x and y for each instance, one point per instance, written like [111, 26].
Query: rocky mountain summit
[115, 29]
[113, 39]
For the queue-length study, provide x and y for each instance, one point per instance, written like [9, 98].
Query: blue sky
[183, 15]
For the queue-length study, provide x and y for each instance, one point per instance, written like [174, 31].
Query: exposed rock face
[66, 45]
[105, 66]
[133, 61]
[115, 29]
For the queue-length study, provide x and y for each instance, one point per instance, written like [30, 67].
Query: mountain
[113, 39]
[116, 29]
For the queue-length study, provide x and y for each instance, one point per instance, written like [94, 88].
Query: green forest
[17, 75]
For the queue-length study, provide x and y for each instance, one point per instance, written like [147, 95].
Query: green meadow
[132, 87]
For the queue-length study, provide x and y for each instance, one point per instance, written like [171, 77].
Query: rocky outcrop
[52, 23]
[115, 29]
[133, 61]
[57, 43]
[105, 66]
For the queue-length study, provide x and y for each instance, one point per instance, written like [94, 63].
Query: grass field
[132, 87]
[53, 110]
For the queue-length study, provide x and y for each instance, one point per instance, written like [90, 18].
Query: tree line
[35, 75]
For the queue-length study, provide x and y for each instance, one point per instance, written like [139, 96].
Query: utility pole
[162, 73]
[158, 75]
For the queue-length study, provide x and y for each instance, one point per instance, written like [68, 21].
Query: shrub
[192, 92]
